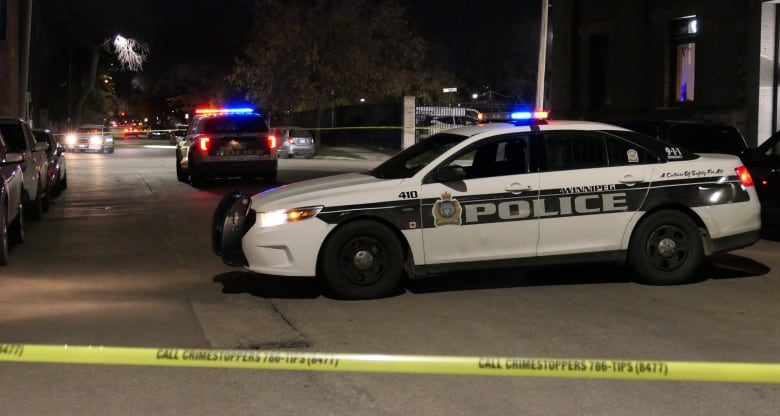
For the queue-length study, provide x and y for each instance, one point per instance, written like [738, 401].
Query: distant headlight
[70, 139]
[284, 216]
[95, 140]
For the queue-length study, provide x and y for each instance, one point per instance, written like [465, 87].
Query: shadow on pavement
[721, 266]
[265, 286]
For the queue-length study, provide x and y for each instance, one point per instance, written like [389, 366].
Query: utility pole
[24, 82]
[542, 57]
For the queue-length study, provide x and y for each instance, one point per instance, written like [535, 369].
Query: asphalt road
[123, 258]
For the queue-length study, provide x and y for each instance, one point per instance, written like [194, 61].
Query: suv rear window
[707, 139]
[232, 124]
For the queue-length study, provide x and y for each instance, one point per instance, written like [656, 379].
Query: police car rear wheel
[362, 260]
[666, 248]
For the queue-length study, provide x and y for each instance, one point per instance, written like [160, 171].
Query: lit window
[684, 32]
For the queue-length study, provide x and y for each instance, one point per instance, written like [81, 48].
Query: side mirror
[13, 159]
[449, 173]
[42, 147]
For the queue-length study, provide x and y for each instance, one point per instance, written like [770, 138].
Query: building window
[684, 32]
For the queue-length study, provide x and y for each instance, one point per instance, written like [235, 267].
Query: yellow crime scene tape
[408, 364]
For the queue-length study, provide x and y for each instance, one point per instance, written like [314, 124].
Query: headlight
[70, 139]
[284, 216]
[95, 140]
[109, 139]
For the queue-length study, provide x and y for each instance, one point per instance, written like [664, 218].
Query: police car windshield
[409, 161]
[234, 124]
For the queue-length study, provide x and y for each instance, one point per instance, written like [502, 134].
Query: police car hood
[348, 188]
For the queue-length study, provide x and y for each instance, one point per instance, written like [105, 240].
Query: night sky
[471, 38]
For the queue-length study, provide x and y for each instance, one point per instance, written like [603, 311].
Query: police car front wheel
[362, 260]
[666, 248]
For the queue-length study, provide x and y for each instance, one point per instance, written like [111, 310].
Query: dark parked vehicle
[698, 136]
[57, 173]
[764, 165]
[19, 139]
[223, 143]
[11, 212]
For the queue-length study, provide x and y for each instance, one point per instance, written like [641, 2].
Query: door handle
[631, 180]
[517, 188]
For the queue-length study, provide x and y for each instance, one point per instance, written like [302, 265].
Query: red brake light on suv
[744, 176]
[203, 143]
[271, 141]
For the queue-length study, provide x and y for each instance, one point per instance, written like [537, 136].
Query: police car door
[592, 185]
[487, 215]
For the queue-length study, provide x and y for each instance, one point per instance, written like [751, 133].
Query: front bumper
[284, 250]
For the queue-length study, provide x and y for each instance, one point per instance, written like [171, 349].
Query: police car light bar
[239, 110]
[515, 116]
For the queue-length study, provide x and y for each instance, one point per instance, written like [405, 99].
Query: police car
[226, 142]
[519, 194]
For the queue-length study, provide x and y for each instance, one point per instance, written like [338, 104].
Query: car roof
[550, 125]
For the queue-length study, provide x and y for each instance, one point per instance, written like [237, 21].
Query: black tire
[4, 242]
[16, 231]
[666, 248]
[63, 182]
[45, 199]
[181, 175]
[110, 150]
[35, 207]
[362, 260]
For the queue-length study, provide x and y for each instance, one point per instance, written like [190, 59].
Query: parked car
[498, 195]
[294, 141]
[57, 178]
[226, 142]
[177, 134]
[698, 136]
[19, 139]
[11, 211]
[764, 165]
[131, 131]
[90, 138]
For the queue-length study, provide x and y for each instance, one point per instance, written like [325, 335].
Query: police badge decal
[447, 210]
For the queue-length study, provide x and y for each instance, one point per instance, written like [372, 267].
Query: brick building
[713, 59]
[11, 55]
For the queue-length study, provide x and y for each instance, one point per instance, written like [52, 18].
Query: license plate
[239, 152]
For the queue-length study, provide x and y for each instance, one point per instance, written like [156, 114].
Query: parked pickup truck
[19, 139]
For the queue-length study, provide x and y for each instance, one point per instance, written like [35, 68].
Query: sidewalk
[364, 153]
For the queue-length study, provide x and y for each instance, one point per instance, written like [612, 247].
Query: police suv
[498, 195]
[226, 142]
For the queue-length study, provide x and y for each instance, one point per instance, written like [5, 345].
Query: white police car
[498, 195]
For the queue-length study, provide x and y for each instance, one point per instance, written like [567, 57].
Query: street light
[450, 91]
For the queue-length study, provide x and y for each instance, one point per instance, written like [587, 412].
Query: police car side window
[575, 150]
[507, 156]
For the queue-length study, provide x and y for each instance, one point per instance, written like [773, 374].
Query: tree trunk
[87, 88]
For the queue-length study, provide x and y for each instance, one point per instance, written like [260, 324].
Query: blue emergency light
[227, 110]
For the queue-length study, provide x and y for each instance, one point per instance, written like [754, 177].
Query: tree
[131, 55]
[316, 54]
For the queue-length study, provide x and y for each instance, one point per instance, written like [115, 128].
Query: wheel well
[401, 239]
[705, 235]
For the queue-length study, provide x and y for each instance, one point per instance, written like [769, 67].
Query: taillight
[271, 141]
[290, 140]
[203, 143]
[744, 176]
